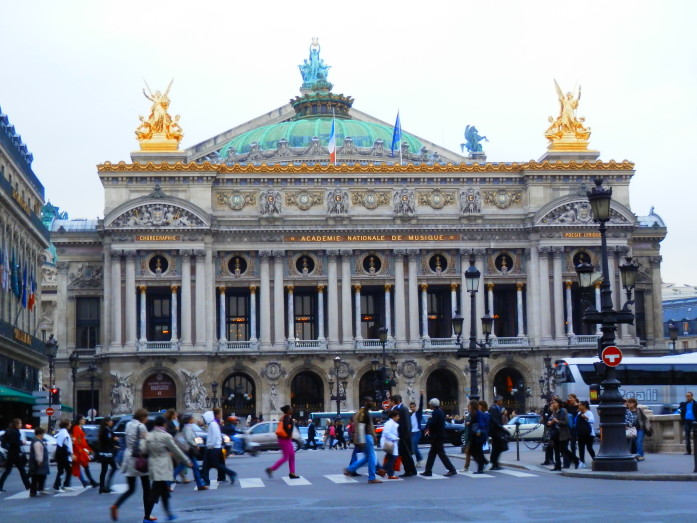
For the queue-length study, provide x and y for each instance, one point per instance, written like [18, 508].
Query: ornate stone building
[236, 270]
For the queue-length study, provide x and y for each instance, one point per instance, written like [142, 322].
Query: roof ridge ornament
[567, 132]
[159, 132]
[157, 193]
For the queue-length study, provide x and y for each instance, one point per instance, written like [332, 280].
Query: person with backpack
[186, 440]
[585, 432]
[12, 442]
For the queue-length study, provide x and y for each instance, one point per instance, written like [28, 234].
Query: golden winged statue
[567, 132]
[159, 131]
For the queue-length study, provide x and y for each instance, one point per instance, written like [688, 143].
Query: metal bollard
[694, 444]
[517, 440]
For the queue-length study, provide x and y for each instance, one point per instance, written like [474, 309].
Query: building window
[304, 306]
[87, 322]
[237, 310]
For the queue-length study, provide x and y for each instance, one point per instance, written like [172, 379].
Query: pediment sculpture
[158, 215]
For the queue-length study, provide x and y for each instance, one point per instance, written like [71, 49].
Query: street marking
[76, 492]
[435, 476]
[475, 476]
[21, 495]
[340, 478]
[213, 484]
[516, 473]
[296, 482]
[119, 488]
[251, 483]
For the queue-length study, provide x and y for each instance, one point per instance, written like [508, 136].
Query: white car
[264, 434]
[28, 435]
[529, 426]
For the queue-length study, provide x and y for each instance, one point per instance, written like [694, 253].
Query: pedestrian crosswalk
[247, 483]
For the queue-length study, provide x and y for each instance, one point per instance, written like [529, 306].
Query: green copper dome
[299, 134]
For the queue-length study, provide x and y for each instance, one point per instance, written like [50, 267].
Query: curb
[628, 476]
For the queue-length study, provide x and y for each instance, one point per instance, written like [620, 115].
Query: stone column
[278, 301]
[558, 296]
[186, 301]
[200, 299]
[400, 313]
[569, 311]
[656, 320]
[209, 296]
[357, 312]
[131, 297]
[143, 327]
[291, 313]
[346, 309]
[545, 306]
[424, 311]
[252, 313]
[490, 306]
[388, 311]
[464, 295]
[320, 312]
[265, 300]
[115, 305]
[333, 299]
[453, 304]
[60, 326]
[519, 305]
[413, 297]
[480, 298]
[107, 300]
[173, 314]
[222, 337]
[533, 297]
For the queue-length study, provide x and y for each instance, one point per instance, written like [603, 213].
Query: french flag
[331, 146]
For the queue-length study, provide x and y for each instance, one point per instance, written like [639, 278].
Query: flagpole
[336, 149]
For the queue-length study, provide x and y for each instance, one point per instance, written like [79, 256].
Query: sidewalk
[656, 467]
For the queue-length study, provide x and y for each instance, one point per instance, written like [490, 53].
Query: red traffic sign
[612, 356]
[385, 405]
[49, 411]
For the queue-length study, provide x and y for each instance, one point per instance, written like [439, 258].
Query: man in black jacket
[404, 436]
[12, 442]
[688, 416]
[497, 432]
[436, 430]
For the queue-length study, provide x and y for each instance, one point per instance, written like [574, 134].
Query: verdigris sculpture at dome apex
[315, 69]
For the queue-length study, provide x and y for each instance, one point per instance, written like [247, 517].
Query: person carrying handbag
[284, 433]
[107, 451]
[190, 448]
[560, 434]
[364, 441]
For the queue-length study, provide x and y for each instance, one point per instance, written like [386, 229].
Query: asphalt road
[323, 493]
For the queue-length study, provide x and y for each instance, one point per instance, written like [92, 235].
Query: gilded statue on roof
[159, 131]
[567, 132]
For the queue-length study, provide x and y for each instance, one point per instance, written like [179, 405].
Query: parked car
[318, 439]
[529, 426]
[264, 434]
[28, 435]
[92, 436]
[454, 432]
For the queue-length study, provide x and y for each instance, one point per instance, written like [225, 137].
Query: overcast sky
[71, 79]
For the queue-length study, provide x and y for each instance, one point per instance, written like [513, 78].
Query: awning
[15, 396]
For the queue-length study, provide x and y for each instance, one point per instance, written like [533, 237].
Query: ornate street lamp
[340, 395]
[212, 402]
[92, 369]
[547, 380]
[74, 360]
[673, 333]
[613, 454]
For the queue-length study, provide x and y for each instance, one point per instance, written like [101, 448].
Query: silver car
[264, 435]
[529, 426]
[28, 435]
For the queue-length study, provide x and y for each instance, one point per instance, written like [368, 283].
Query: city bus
[660, 383]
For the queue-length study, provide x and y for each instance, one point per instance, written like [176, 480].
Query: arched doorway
[442, 384]
[159, 393]
[306, 394]
[509, 383]
[366, 387]
[239, 396]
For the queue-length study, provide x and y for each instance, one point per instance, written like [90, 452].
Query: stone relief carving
[88, 276]
[502, 199]
[122, 394]
[158, 215]
[271, 202]
[337, 202]
[237, 200]
[194, 390]
[403, 201]
[304, 200]
[410, 369]
[470, 201]
[436, 199]
[50, 274]
[274, 397]
[273, 371]
[577, 213]
[370, 199]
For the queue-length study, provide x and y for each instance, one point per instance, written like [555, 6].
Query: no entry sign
[612, 356]
[49, 411]
[385, 405]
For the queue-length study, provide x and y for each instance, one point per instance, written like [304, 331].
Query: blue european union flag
[396, 135]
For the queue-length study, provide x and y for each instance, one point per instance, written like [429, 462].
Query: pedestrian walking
[186, 439]
[311, 435]
[585, 430]
[63, 457]
[404, 436]
[548, 447]
[214, 458]
[108, 446]
[161, 449]
[330, 435]
[641, 423]
[560, 434]
[284, 433]
[81, 454]
[339, 430]
[390, 444]
[38, 463]
[478, 433]
[436, 430]
[497, 433]
[135, 436]
[572, 411]
[364, 442]
[12, 443]
[688, 416]
[416, 417]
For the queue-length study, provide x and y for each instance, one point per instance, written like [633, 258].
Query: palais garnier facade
[234, 272]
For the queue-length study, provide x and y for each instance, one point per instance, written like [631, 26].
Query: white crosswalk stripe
[340, 478]
[76, 492]
[214, 484]
[119, 488]
[21, 495]
[474, 476]
[251, 483]
[516, 473]
[434, 476]
[296, 482]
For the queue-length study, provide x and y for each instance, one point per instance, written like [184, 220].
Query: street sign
[44, 411]
[611, 356]
[385, 405]
[49, 411]
[40, 397]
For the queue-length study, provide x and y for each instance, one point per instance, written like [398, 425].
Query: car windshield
[524, 420]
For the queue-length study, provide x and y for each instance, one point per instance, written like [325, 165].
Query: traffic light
[55, 396]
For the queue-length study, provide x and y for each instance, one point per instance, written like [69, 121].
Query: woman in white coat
[160, 447]
[135, 433]
[390, 442]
